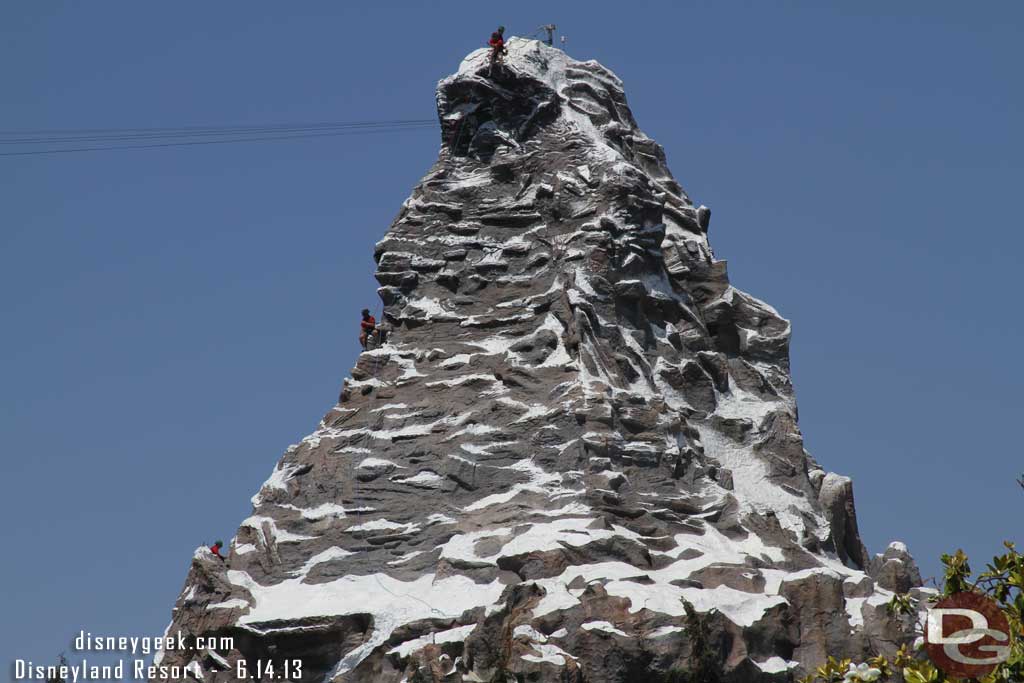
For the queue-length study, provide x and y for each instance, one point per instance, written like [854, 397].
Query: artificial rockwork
[577, 456]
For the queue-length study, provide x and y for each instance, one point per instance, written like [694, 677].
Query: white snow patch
[159, 656]
[405, 558]
[530, 411]
[753, 488]
[494, 345]
[433, 309]
[376, 463]
[235, 603]
[391, 602]
[475, 429]
[422, 478]
[438, 518]
[527, 631]
[353, 449]
[332, 553]
[258, 522]
[541, 482]
[390, 406]
[462, 379]
[278, 480]
[452, 635]
[406, 431]
[323, 511]
[483, 450]
[854, 609]
[404, 416]
[552, 654]
[385, 525]
[661, 595]
[775, 665]
[602, 626]
[456, 360]
[566, 510]
[663, 631]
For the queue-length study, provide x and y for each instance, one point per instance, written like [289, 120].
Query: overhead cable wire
[157, 129]
[101, 134]
[294, 133]
[31, 153]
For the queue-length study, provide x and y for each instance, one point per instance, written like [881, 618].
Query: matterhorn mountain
[576, 458]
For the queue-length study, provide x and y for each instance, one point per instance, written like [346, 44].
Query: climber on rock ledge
[215, 549]
[367, 327]
[498, 49]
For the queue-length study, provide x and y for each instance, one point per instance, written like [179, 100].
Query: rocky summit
[576, 458]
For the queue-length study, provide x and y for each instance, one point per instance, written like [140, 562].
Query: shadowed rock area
[576, 459]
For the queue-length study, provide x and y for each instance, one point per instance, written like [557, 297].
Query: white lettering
[979, 630]
[160, 673]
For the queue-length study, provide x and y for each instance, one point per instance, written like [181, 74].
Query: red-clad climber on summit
[215, 549]
[497, 43]
[367, 327]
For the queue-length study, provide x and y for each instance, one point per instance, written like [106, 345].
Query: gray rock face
[836, 498]
[895, 569]
[577, 429]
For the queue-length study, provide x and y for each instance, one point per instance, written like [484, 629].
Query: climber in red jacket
[367, 327]
[215, 549]
[497, 43]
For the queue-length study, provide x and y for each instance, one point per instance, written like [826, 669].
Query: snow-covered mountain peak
[577, 428]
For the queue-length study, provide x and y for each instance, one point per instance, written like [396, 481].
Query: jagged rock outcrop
[577, 457]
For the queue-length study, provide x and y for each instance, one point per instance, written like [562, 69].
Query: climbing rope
[458, 133]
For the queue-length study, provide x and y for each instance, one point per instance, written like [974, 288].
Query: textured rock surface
[577, 428]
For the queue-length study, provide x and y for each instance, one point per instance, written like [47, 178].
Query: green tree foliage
[1002, 581]
[704, 665]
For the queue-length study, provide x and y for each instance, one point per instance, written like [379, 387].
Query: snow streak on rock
[577, 427]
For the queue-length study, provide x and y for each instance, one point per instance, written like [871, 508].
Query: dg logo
[967, 635]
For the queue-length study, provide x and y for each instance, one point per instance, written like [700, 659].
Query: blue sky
[173, 319]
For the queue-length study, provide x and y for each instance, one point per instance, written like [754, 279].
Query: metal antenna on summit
[550, 28]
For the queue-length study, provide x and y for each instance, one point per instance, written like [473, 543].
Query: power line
[228, 135]
[197, 142]
[100, 134]
[75, 131]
